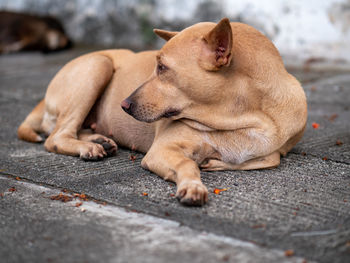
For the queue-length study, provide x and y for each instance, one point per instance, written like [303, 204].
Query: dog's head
[190, 75]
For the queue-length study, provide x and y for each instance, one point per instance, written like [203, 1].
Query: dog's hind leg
[269, 161]
[70, 96]
[28, 130]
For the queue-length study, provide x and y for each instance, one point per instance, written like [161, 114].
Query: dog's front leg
[172, 162]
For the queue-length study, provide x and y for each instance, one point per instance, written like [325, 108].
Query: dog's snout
[127, 105]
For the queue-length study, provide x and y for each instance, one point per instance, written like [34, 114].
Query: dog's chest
[229, 151]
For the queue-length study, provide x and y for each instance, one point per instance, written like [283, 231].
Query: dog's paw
[92, 152]
[214, 165]
[192, 193]
[108, 144]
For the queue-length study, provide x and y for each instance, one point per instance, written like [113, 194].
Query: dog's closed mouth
[171, 113]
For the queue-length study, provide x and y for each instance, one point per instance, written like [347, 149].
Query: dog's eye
[161, 68]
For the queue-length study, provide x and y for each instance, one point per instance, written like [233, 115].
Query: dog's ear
[166, 35]
[217, 47]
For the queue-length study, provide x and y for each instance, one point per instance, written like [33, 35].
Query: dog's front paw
[109, 145]
[92, 152]
[192, 193]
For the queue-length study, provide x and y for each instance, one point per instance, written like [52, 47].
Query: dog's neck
[228, 123]
[196, 125]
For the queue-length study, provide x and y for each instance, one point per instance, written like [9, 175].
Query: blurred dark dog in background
[20, 31]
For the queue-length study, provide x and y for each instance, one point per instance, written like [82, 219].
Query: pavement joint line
[53, 187]
[160, 226]
[314, 233]
[13, 176]
[90, 198]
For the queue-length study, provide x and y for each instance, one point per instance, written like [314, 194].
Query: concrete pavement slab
[301, 205]
[37, 229]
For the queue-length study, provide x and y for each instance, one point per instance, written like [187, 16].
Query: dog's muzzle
[127, 105]
[146, 112]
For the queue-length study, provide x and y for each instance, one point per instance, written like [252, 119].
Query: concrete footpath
[56, 208]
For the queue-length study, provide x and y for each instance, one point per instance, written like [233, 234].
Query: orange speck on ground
[339, 142]
[61, 197]
[315, 125]
[289, 253]
[78, 204]
[218, 191]
[12, 189]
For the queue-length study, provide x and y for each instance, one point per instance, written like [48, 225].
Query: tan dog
[219, 98]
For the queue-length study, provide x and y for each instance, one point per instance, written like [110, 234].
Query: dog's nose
[126, 105]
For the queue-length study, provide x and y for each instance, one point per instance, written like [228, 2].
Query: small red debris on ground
[315, 125]
[305, 190]
[61, 197]
[1, 194]
[218, 191]
[289, 253]
[100, 202]
[82, 197]
[333, 117]
[295, 213]
[226, 258]
[325, 158]
[259, 226]
[18, 179]
[345, 200]
[339, 143]
[303, 153]
[12, 189]
[144, 194]
[132, 158]
[78, 204]
[166, 214]
[172, 195]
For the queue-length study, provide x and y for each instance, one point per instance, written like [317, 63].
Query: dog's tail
[27, 131]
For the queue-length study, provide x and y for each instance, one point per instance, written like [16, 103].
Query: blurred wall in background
[300, 29]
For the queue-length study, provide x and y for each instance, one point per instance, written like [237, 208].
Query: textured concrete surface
[95, 232]
[303, 205]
